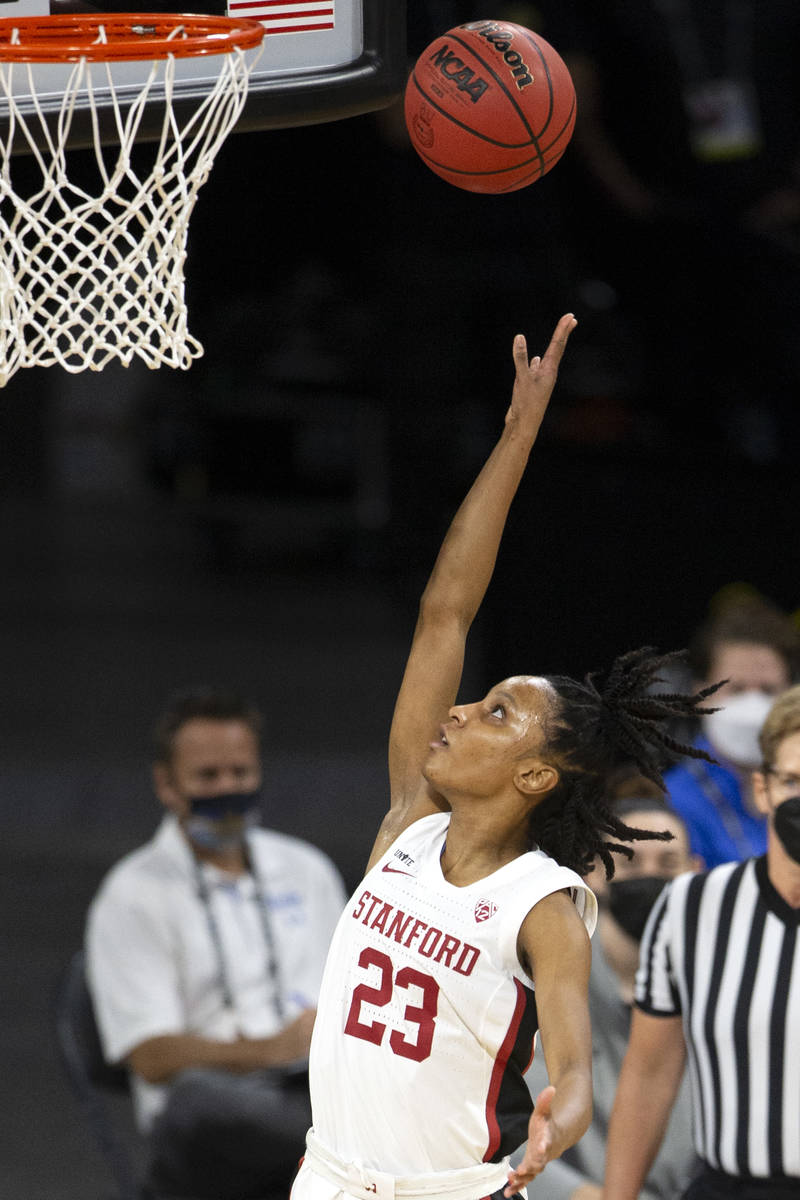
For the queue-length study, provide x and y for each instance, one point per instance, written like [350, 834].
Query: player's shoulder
[537, 876]
[426, 829]
[422, 836]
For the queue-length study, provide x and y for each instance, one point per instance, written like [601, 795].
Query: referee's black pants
[716, 1185]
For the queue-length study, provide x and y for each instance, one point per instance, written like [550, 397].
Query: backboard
[322, 60]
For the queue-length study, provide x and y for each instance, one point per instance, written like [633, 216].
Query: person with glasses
[719, 984]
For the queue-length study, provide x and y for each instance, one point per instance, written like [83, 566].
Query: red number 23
[422, 1015]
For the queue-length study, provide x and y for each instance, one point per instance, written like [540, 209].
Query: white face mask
[733, 731]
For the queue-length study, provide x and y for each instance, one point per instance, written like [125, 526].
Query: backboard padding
[322, 60]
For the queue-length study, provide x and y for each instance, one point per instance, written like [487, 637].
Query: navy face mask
[630, 901]
[786, 823]
[221, 822]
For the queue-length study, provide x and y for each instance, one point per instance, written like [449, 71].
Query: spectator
[625, 903]
[718, 977]
[205, 950]
[753, 646]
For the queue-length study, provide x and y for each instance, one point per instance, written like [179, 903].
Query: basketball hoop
[92, 274]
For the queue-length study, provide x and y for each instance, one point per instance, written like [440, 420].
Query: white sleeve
[131, 969]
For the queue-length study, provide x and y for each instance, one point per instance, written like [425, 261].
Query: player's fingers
[520, 353]
[524, 1173]
[558, 341]
[517, 1179]
[530, 1166]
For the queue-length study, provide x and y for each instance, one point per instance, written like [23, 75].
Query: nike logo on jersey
[396, 870]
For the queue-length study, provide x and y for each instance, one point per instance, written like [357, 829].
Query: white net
[92, 274]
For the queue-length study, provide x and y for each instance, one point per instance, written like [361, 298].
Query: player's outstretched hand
[536, 378]
[541, 1141]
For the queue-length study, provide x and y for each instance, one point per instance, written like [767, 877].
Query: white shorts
[323, 1177]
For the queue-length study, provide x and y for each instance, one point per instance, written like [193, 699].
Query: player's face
[480, 746]
[210, 758]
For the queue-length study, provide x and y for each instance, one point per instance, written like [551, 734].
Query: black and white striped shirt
[722, 950]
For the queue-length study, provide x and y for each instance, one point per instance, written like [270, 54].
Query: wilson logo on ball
[501, 40]
[454, 69]
[490, 106]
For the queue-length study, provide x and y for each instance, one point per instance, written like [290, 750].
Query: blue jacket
[709, 799]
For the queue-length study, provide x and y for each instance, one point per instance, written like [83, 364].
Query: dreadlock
[598, 724]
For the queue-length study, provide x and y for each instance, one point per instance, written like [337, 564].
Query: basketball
[490, 106]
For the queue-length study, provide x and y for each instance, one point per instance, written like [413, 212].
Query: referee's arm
[648, 1084]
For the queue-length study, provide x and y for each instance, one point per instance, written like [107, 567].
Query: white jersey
[426, 1020]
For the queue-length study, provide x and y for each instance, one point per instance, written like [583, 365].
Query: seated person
[754, 647]
[624, 904]
[205, 951]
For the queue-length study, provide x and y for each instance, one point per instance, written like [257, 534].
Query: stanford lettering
[422, 975]
[434, 943]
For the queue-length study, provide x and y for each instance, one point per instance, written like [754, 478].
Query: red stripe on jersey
[500, 1064]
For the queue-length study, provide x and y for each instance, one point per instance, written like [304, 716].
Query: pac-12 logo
[484, 909]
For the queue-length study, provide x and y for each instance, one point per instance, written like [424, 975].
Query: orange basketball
[490, 106]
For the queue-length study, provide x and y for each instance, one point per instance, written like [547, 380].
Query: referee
[719, 980]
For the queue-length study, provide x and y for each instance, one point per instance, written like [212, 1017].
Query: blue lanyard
[272, 969]
[713, 792]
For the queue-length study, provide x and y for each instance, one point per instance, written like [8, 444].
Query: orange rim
[68, 37]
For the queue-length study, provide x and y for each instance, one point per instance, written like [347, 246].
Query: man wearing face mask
[205, 951]
[754, 647]
[625, 903]
[719, 977]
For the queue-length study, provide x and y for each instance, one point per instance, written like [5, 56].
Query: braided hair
[596, 726]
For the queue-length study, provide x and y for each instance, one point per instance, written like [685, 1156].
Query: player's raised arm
[457, 586]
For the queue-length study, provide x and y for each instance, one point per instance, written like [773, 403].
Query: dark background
[268, 518]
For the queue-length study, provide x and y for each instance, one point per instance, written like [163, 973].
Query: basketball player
[472, 897]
